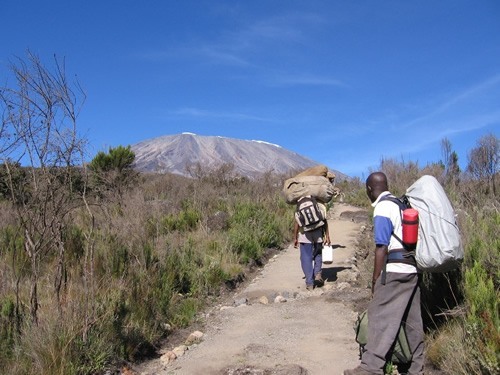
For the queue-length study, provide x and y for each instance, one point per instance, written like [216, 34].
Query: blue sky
[342, 82]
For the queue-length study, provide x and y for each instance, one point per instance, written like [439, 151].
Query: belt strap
[401, 256]
[398, 256]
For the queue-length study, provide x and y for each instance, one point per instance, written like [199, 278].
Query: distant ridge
[175, 153]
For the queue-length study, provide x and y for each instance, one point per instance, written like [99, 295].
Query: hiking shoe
[309, 287]
[318, 280]
[357, 371]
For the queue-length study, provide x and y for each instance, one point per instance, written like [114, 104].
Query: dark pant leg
[306, 261]
[415, 334]
[385, 313]
[318, 258]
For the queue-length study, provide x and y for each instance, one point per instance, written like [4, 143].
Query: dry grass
[158, 250]
[447, 349]
[155, 252]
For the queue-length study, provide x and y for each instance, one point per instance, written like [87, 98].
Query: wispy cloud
[469, 109]
[435, 132]
[306, 80]
[279, 30]
[405, 132]
[464, 112]
[471, 101]
[221, 56]
[245, 43]
[203, 113]
[469, 93]
[206, 53]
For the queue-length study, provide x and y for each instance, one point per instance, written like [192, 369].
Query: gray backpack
[439, 247]
[308, 214]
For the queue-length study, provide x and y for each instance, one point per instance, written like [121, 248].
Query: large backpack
[308, 214]
[439, 247]
[400, 352]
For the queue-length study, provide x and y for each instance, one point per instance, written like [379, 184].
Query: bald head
[376, 183]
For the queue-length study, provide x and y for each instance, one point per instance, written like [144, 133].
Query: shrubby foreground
[96, 260]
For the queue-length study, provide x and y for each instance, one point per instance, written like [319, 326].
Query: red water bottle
[410, 227]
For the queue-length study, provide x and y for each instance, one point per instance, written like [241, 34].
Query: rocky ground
[272, 324]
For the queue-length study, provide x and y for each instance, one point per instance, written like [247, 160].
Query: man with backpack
[395, 287]
[311, 245]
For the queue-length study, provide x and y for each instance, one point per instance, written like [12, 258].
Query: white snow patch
[267, 143]
[188, 133]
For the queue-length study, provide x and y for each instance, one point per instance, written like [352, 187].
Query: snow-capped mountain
[174, 153]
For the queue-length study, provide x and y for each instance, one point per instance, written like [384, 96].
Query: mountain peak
[176, 153]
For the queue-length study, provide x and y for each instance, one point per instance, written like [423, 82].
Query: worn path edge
[312, 330]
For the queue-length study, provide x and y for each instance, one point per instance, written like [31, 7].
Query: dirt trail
[310, 332]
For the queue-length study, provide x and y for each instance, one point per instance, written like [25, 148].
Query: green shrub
[354, 192]
[120, 260]
[74, 241]
[185, 220]
[477, 333]
[183, 311]
[58, 346]
[254, 228]
[482, 287]
[12, 249]
[245, 243]
[8, 327]
[483, 317]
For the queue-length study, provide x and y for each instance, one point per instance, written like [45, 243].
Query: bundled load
[317, 170]
[314, 182]
[439, 245]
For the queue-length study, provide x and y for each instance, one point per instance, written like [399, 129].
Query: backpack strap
[402, 202]
[402, 255]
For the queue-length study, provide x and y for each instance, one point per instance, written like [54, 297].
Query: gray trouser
[395, 302]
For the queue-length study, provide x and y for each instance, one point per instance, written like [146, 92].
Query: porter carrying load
[314, 181]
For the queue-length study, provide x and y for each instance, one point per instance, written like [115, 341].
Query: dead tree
[39, 115]
[484, 161]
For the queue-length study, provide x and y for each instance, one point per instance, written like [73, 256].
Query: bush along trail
[273, 325]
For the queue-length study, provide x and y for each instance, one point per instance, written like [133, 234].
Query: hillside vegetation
[98, 264]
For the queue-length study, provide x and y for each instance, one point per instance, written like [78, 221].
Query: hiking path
[273, 325]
